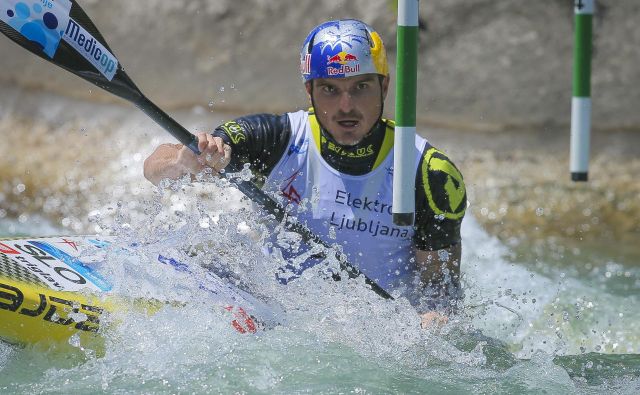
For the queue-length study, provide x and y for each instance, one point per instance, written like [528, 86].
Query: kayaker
[333, 167]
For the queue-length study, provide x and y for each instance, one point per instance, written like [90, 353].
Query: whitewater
[69, 173]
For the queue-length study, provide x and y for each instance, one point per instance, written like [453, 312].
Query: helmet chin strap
[313, 104]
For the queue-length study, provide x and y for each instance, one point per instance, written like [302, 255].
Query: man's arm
[175, 160]
[259, 140]
[440, 279]
[441, 203]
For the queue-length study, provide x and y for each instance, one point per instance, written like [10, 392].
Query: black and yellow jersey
[441, 200]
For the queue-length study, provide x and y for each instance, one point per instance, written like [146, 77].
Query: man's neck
[355, 159]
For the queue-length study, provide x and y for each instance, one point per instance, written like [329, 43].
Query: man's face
[348, 107]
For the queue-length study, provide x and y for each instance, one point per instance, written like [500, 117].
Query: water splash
[337, 336]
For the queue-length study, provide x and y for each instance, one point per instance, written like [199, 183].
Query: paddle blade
[62, 33]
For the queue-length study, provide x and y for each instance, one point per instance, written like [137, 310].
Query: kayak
[53, 292]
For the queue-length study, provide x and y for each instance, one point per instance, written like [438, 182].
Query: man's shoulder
[443, 184]
[237, 129]
[298, 118]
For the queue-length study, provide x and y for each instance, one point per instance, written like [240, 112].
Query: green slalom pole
[581, 101]
[404, 171]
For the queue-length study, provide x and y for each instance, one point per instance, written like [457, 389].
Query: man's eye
[363, 85]
[328, 89]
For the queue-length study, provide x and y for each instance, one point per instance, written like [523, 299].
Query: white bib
[354, 211]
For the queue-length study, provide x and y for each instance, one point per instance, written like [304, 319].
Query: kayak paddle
[64, 35]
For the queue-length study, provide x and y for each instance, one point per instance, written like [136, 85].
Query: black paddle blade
[62, 33]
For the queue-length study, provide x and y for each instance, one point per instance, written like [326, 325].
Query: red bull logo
[344, 69]
[342, 58]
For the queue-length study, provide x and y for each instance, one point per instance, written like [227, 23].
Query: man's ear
[385, 85]
[307, 86]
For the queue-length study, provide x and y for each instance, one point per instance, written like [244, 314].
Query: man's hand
[173, 161]
[440, 277]
[214, 153]
[433, 319]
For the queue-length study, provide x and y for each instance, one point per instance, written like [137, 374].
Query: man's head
[344, 68]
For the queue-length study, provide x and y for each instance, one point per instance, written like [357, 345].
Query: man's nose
[346, 101]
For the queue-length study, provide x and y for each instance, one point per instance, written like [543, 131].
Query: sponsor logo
[343, 69]
[365, 204]
[234, 131]
[12, 299]
[298, 149]
[48, 268]
[91, 49]
[243, 322]
[374, 227]
[289, 191]
[71, 243]
[444, 185]
[360, 152]
[372, 205]
[54, 267]
[345, 64]
[74, 263]
[40, 21]
[342, 58]
[46, 22]
[305, 64]
[5, 249]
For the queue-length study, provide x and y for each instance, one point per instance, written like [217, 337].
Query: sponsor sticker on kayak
[50, 265]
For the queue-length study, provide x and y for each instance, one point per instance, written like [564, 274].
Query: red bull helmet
[343, 48]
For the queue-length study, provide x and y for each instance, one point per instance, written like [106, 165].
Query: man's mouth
[348, 123]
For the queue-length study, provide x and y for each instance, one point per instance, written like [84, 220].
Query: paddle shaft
[167, 123]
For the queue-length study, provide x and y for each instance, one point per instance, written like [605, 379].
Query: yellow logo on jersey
[234, 131]
[453, 187]
[361, 152]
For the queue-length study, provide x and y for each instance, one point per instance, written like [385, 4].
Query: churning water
[527, 304]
